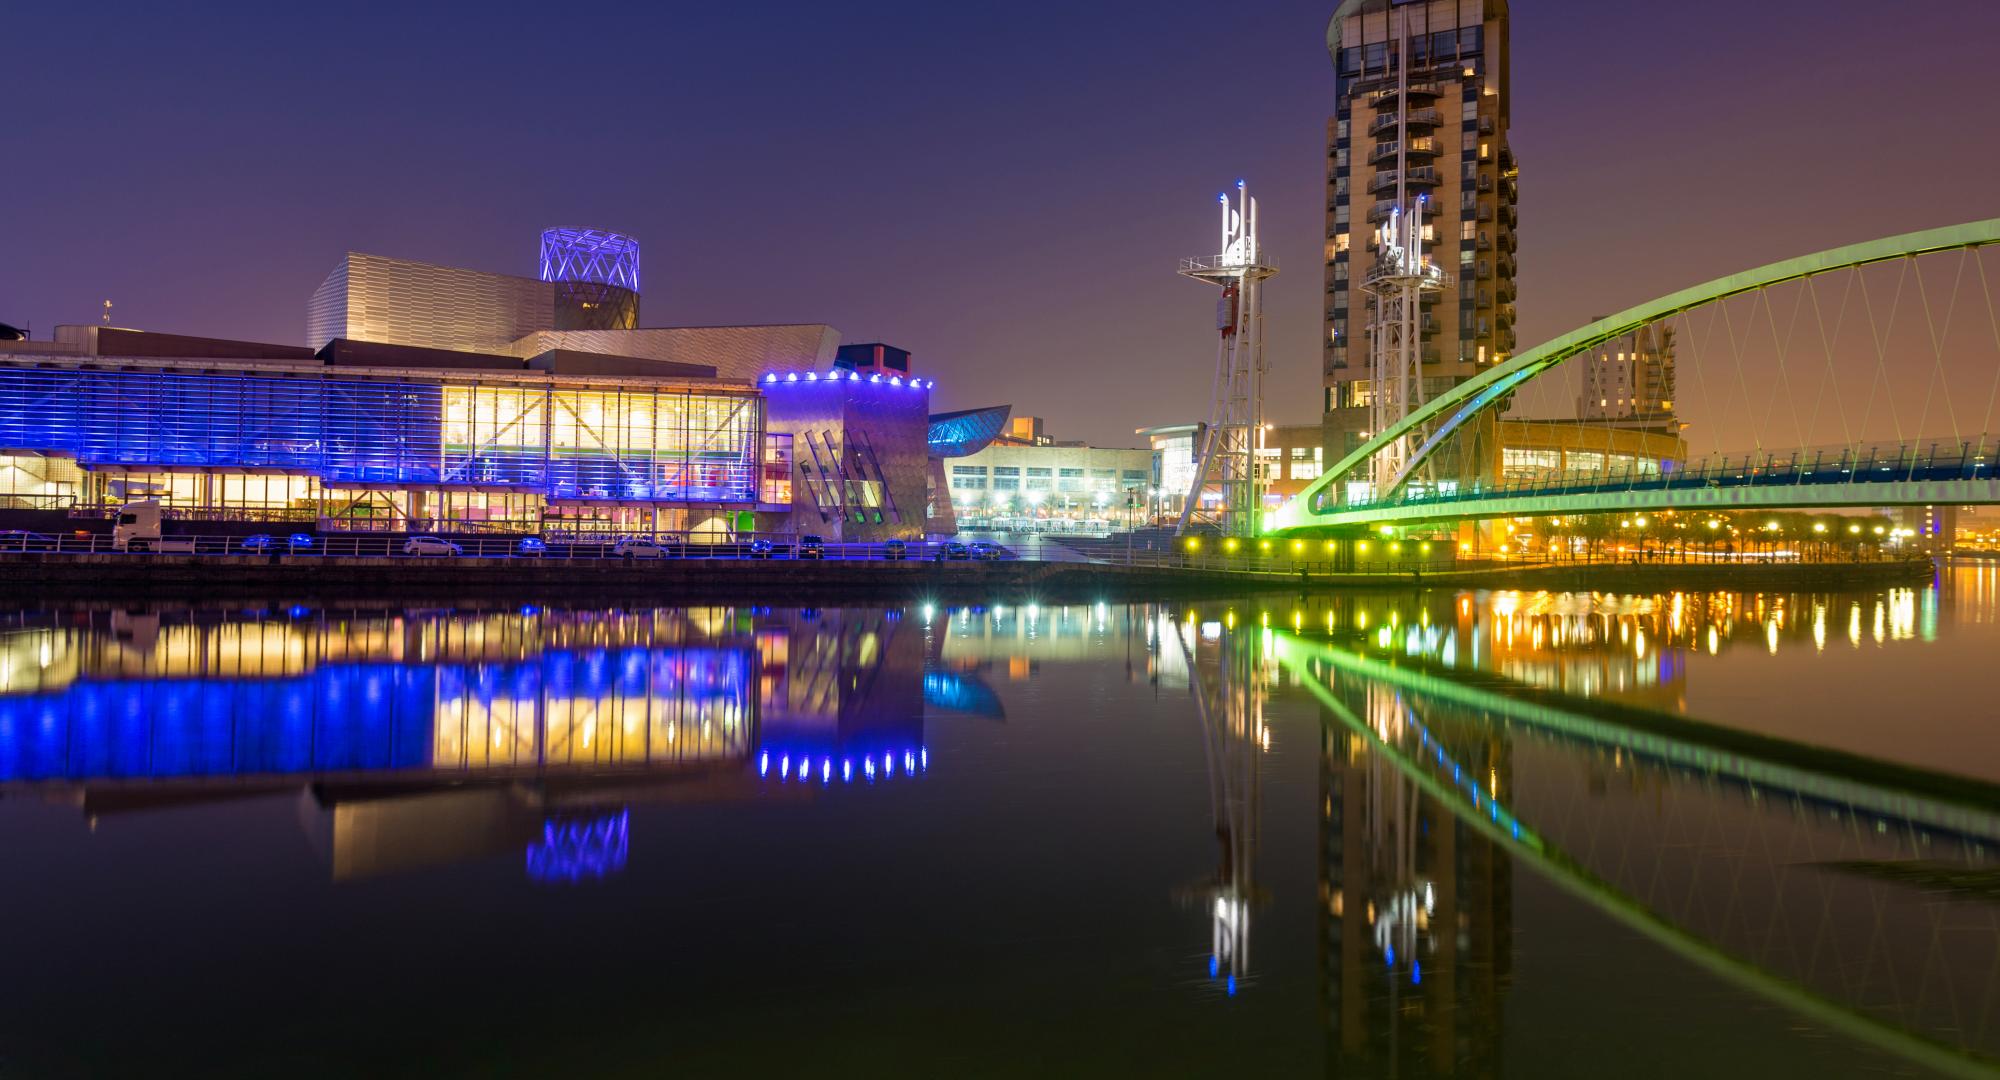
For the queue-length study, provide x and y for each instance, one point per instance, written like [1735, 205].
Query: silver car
[431, 545]
[639, 547]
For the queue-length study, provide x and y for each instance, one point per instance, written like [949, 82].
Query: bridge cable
[1993, 320]
[1938, 335]
[1827, 343]
[1695, 345]
[1742, 385]
[1782, 346]
[1879, 336]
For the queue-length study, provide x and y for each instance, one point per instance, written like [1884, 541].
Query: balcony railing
[1417, 118]
[1426, 147]
[1422, 177]
[1380, 212]
[1417, 89]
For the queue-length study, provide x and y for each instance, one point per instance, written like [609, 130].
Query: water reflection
[1797, 875]
[1460, 743]
[425, 738]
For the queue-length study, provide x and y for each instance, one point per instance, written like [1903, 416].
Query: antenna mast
[1397, 281]
[1235, 434]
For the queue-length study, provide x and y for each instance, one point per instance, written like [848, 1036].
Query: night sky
[1002, 189]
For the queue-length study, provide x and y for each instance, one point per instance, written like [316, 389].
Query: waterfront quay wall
[665, 581]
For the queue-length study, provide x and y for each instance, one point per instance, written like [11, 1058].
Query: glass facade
[364, 451]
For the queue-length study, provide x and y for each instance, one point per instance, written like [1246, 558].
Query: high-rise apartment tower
[1452, 140]
[1628, 381]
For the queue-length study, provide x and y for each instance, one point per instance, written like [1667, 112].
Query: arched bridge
[1855, 448]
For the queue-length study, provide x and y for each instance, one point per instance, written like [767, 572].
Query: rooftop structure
[596, 278]
[437, 398]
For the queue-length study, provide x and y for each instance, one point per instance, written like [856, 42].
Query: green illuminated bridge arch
[1960, 472]
[1783, 778]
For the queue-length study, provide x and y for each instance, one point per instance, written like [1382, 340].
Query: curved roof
[1341, 15]
[957, 434]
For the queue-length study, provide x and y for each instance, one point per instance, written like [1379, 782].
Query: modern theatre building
[435, 398]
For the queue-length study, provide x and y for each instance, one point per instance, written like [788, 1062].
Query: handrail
[1931, 460]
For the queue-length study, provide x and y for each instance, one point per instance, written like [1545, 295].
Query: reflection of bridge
[1742, 877]
[1957, 468]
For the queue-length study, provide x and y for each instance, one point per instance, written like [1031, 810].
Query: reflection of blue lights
[961, 693]
[1214, 967]
[1416, 973]
[1232, 984]
[914, 761]
[1390, 950]
[335, 717]
[572, 851]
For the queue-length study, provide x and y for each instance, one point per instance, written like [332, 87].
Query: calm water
[1421, 834]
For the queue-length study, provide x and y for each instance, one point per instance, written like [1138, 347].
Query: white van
[138, 529]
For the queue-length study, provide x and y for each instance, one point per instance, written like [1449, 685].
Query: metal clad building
[400, 302]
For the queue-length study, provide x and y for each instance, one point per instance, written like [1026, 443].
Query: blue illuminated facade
[553, 440]
[362, 431]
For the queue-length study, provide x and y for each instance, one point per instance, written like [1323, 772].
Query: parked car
[23, 540]
[762, 549]
[895, 549]
[532, 546]
[264, 542]
[985, 552]
[639, 547]
[812, 547]
[953, 550]
[431, 545]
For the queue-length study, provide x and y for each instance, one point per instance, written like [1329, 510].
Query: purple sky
[1004, 190]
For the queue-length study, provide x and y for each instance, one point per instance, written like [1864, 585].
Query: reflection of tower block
[1227, 458]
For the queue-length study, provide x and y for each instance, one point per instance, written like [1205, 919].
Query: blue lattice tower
[596, 274]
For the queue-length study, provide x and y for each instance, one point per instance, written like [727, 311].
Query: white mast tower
[1398, 281]
[1236, 419]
